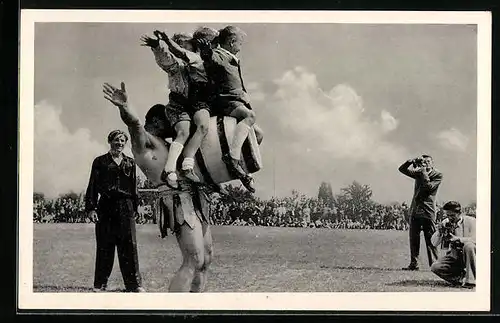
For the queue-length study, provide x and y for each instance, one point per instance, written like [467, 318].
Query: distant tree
[325, 194]
[298, 198]
[358, 192]
[355, 200]
[470, 209]
[472, 205]
[237, 194]
[241, 202]
[38, 197]
[38, 206]
[71, 196]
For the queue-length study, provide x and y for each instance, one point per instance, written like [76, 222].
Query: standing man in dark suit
[111, 202]
[422, 212]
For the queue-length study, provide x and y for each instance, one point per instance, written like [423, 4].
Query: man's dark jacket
[423, 203]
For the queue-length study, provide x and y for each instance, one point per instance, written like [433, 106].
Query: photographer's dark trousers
[457, 264]
[116, 229]
[418, 224]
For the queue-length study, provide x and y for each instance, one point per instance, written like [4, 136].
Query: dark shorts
[175, 114]
[226, 107]
[175, 111]
[200, 97]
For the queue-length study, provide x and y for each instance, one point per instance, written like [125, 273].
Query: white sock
[173, 154]
[188, 163]
[240, 135]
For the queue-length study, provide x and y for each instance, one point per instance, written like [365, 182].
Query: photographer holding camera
[422, 212]
[457, 233]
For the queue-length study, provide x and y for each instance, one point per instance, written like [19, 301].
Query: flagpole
[274, 171]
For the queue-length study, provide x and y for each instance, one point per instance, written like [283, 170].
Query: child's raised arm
[173, 47]
[207, 54]
[165, 59]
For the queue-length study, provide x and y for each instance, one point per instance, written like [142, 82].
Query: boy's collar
[231, 54]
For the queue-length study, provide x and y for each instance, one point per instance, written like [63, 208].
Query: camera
[447, 229]
[418, 162]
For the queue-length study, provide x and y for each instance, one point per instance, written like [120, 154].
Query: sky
[337, 102]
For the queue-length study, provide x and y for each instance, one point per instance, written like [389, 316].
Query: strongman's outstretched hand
[150, 42]
[116, 96]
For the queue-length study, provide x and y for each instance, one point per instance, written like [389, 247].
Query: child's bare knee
[182, 134]
[203, 128]
[259, 134]
[251, 117]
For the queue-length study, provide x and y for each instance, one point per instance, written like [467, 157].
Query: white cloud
[389, 123]
[255, 91]
[333, 123]
[453, 139]
[62, 158]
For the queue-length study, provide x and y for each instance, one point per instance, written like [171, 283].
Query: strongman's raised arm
[149, 149]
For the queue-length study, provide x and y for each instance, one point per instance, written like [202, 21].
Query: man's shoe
[217, 188]
[248, 182]
[99, 290]
[190, 175]
[234, 166]
[455, 283]
[411, 267]
[221, 190]
[468, 285]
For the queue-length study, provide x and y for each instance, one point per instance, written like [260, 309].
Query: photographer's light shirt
[465, 230]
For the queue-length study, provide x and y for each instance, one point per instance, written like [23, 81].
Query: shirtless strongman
[184, 211]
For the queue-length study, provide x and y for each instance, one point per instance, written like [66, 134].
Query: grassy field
[247, 259]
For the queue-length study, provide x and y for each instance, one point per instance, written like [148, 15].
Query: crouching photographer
[457, 234]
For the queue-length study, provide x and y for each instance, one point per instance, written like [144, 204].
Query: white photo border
[478, 300]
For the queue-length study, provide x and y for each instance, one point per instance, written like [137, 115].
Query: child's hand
[205, 47]
[203, 44]
[160, 35]
[150, 42]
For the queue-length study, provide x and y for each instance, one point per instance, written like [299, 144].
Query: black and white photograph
[232, 160]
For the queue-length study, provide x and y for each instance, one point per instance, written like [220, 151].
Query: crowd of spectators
[277, 212]
[70, 208]
[308, 212]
